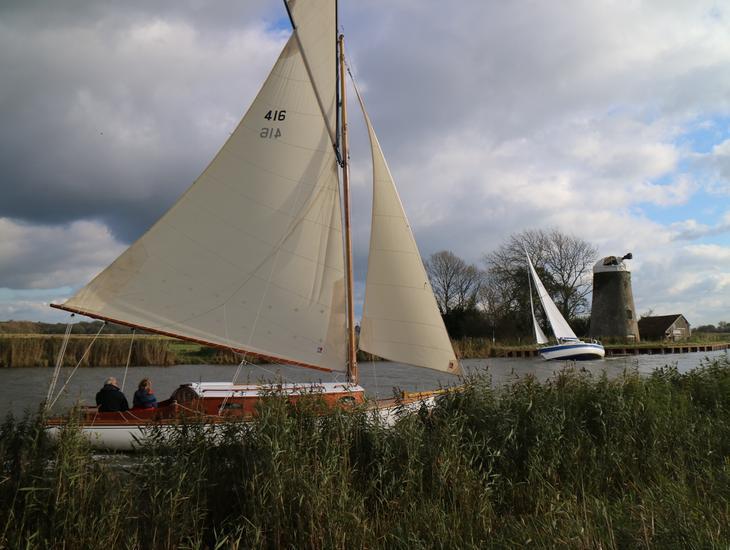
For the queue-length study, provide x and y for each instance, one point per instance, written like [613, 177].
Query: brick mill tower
[613, 313]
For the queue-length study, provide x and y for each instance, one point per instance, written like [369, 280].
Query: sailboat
[569, 346]
[256, 257]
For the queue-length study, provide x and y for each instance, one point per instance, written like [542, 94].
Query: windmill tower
[613, 313]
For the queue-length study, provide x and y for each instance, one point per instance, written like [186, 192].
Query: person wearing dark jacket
[110, 398]
[143, 397]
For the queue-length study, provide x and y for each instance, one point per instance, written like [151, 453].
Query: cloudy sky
[608, 120]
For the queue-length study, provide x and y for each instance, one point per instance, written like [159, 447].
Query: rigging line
[77, 365]
[129, 357]
[233, 383]
[349, 64]
[375, 374]
[59, 359]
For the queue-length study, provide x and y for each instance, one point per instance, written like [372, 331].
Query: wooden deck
[664, 349]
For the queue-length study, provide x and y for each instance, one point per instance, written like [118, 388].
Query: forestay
[250, 257]
[560, 326]
[401, 320]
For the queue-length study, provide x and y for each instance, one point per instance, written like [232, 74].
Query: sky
[607, 120]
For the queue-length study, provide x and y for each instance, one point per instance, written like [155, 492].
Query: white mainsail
[401, 320]
[560, 326]
[315, 23]
[539, 334]
[250, 257]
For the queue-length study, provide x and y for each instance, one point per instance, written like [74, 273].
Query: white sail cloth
[250, 257]
[315, 23]
[540, 337]
[401, 320]
[559, 325]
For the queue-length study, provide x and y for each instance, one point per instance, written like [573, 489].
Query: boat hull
[126, 431]
[208, 404]
[107, 438]
[573, 351]
[131, 436]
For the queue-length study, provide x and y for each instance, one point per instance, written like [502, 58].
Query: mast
[352, 374]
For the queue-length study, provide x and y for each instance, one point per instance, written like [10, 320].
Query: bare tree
[562, 262]
[568, 259]
[455, 283]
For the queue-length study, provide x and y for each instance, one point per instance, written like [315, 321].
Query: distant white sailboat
[253, 257]
[569, 346]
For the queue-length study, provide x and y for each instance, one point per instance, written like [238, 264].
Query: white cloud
[691, 229]
[36, 310]
[41, 257]
[115, 119]
[714, 254]
[715, 167]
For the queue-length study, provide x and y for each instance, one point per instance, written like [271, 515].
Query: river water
[24, 388]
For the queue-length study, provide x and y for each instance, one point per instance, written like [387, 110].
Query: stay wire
[59, 359]
[77, 365]
[233, 383]
[129, 358]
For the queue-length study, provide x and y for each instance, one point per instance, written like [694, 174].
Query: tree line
[80, 327]
[493, 300]
[722, 327]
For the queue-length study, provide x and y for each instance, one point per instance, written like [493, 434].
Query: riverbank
[578, 461]
[41, 350]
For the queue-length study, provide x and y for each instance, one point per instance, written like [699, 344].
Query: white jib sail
[250, 257]
[560, 326]
[401, 320]
[539, 334]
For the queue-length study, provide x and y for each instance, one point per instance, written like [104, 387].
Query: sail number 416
[273, 133]
[275, 115]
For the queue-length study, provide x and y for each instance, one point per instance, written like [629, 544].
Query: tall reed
[109, 351]
[578, 461]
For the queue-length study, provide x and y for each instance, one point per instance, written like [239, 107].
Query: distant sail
[539, 334]
[560, 326]
[250, 257]
[401, 320]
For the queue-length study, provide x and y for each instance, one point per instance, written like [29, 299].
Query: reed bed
[107, 351]
[41, 350]
[576, 462]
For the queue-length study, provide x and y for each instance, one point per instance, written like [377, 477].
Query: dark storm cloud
[104, 115]
[217, 16]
